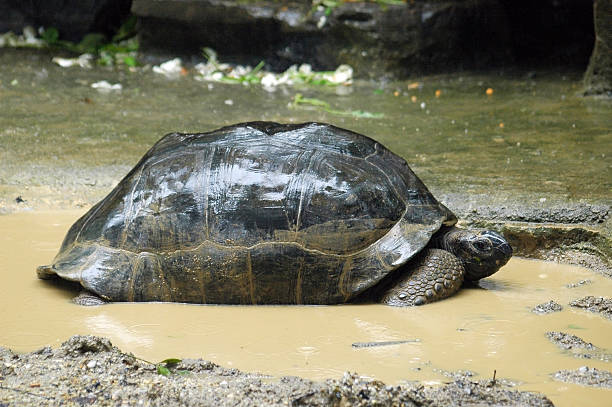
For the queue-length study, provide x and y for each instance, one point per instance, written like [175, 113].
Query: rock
[569, 213]
[579, 283]
[12, 17]
[374, 39]
[573, 233]
[483, 393]
[598, 77]
[72, 18]
[80, 344]
[547, 308]
[577, 347]
[550, 33]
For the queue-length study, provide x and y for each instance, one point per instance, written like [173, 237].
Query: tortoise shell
[255, 213]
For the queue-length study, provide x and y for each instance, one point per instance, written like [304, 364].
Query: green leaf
[330, 3]
[392, 2]
[127, 30]
[258, 68]
[50, 35]
[367, 115]
[162, 370]
[91, 43]
[105, 59]
[299, 100]
[130, 61]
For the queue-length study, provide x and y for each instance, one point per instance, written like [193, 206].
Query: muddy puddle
[481, 330]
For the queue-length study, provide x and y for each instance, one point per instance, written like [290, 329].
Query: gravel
[600, 305]
[578, 347]
[90, 370]
[586, 376]
[547, 308]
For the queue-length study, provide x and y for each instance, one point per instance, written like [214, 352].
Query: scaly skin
[88, 299]
[454, 255]
[437, 274]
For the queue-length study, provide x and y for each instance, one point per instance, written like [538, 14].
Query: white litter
[342, 75]
[170, 69]
[106, 87]
[84, 61]
[215, 71]
[27, 39]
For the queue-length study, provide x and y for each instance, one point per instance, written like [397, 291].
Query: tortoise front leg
[434, 275]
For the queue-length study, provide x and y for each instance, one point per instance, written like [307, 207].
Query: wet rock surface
[577, 346]
[599, 305]
[88, 369]
[579, 241]
[598, 77]
[578, 233]
[578, 213]
[547, 308]
[375, 38]
[586, 376]
[73, 18]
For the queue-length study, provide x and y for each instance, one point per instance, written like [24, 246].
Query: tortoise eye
[483, 245]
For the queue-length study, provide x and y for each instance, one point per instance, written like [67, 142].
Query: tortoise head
[482, 252]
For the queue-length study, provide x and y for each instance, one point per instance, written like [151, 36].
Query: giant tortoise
[268, 213]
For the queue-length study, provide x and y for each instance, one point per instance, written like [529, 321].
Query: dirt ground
[87, 370]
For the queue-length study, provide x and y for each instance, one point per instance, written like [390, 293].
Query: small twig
[25, 392]
[383, 343]
[494, 373]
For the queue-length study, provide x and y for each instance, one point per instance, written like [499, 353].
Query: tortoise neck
[447, 238]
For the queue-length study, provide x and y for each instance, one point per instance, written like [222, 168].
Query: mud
[89, 370]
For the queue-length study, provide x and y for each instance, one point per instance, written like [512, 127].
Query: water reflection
[106, 325]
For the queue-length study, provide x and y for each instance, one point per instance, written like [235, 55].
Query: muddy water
[481, 330]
